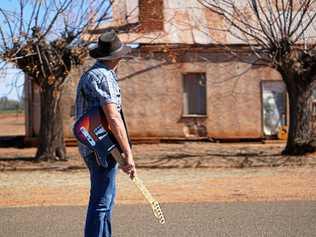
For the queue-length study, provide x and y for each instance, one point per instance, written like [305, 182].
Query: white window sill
[194, 116]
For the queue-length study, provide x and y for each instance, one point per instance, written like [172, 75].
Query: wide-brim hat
[109, 47]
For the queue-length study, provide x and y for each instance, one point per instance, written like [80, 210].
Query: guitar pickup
[87, 135]
[100, 132]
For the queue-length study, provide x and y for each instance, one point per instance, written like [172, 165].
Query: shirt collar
[99, 64]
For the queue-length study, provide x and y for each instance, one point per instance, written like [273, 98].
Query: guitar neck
[138, 182]
[118, 156]
[140, 185]
[154, 204]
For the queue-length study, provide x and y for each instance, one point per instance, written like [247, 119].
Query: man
[98, 87]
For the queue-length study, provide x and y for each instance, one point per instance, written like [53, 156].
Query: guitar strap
[122, 115]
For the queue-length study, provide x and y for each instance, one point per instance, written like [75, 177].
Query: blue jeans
[102, 195]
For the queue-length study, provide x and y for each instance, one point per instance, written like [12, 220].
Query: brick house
[181, 84]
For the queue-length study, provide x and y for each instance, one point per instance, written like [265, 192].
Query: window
[194, 94]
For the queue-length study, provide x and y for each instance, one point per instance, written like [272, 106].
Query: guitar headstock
[158, 212]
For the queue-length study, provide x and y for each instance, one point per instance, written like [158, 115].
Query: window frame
[206, 92]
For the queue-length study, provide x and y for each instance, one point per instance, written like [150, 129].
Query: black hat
[109, 47]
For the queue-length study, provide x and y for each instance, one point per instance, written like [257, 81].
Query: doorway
[274, 107]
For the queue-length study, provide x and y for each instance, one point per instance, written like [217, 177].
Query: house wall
[152, 97]
[32, 107]
[151, 86]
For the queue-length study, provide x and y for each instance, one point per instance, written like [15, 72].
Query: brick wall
[153, 96]
[151, 15]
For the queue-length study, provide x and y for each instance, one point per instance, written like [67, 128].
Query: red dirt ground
[188, 172]
[40, 188]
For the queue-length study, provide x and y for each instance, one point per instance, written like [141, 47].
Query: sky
[11, 80]
[11, 83]
[8, 4]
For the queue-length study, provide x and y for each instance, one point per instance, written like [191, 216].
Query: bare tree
[281, 34]
[43, 39]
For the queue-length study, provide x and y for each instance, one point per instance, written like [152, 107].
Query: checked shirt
[96, 87]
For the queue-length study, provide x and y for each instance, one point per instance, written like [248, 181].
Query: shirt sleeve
[102, 87]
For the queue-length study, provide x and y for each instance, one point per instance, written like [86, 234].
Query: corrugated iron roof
[185, 22]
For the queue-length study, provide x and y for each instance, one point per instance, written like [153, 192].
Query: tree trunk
[301, 137]
[51, 138]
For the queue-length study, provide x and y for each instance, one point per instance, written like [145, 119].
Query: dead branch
[8, 23]
[274, 25]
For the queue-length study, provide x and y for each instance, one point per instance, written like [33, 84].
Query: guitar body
[93, 131]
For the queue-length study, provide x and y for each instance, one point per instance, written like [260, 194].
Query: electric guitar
[93, 131]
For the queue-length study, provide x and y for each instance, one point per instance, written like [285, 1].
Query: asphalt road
[275, 219]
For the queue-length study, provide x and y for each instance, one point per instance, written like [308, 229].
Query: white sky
[11, 83]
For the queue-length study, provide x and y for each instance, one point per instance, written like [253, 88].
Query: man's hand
[129, 166]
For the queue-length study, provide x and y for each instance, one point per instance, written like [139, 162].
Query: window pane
[194, 94]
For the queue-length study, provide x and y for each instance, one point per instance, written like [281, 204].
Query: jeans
[102, 195]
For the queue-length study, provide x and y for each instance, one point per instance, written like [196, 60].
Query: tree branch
[8, 24]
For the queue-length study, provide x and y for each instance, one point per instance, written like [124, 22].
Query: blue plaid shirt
[96, 87]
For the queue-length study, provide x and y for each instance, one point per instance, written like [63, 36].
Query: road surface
[243, 219]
